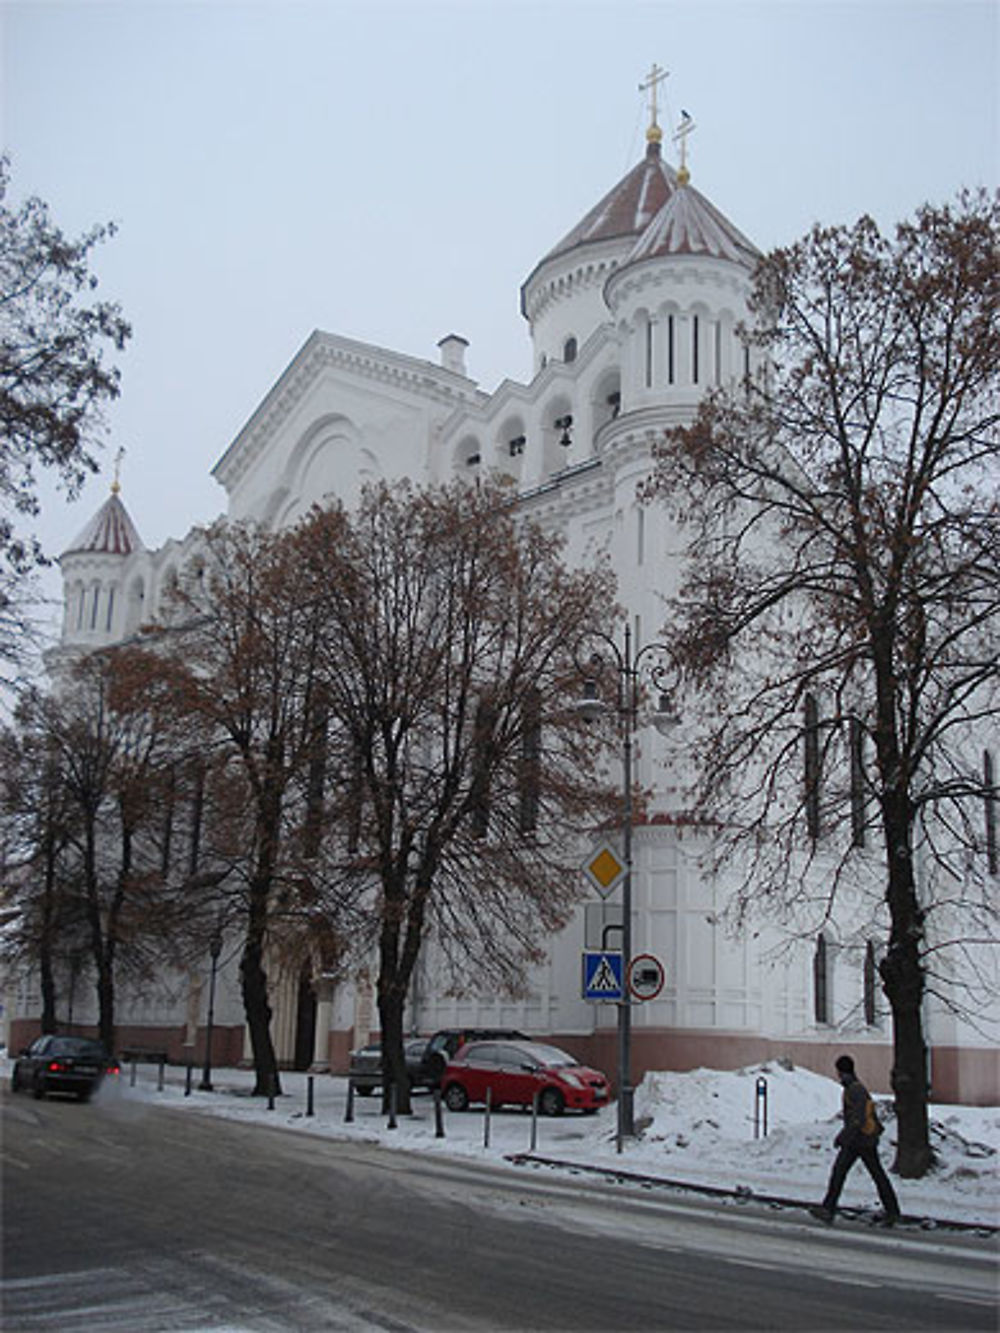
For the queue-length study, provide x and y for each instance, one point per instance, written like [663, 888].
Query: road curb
[741, 1193]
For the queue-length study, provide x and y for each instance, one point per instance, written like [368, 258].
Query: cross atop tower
[681, 133]
[116, 484]
[655, 77]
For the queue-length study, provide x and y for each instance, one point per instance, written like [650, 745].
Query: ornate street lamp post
[628, 666]
[214, 949]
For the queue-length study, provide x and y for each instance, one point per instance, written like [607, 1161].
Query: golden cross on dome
[116, 484]
[655, 77]
[681, 133]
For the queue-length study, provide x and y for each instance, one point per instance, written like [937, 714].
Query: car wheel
[455, 1097]
[551, 1102]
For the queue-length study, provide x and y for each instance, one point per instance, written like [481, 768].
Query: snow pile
[701, 1128]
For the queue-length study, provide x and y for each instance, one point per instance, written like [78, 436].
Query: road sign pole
[626, 1120]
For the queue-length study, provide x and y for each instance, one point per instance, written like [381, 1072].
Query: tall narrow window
[718, 351]
[482, 763]
[856, 740]
[355, 800]
[640, 535]
[649, 354]
[812, 773]
[871, 984]
[569, 349]
[316, 779]
[990, 812]
[821, 980]
[695, 326]
[111, 609]
[93, 607]
[168, 822]
[531, 752]
[197, 813]
[670, 349]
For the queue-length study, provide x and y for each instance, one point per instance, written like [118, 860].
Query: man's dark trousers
[847, 1155]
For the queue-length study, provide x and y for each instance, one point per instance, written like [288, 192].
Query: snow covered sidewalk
[703, 1128]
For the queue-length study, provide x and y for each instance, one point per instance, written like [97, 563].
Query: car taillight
[115, 1068]
[56, 1066]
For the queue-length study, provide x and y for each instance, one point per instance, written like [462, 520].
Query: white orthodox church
[632, 317]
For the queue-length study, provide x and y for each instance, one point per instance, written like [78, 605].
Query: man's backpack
[871, 1126]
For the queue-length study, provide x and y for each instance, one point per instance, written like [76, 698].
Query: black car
[365, 1069]
[444, 1043]
[62, 1064]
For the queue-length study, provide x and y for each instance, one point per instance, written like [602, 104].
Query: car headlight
[573, 1080]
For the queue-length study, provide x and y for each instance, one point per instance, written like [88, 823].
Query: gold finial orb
[654, 134]
[683, 176]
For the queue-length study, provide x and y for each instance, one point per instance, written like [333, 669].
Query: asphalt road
[121, 1215]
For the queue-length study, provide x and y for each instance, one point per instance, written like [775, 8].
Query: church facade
[633, 315]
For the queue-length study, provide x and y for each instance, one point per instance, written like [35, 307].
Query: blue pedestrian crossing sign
[602, 975]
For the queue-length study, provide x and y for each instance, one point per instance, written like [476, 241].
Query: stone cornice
[626, 284]
[363, 361]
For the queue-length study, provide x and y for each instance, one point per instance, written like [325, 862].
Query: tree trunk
[256, 1005]
[48, 932]
[106, 1002]
[397, 961]
[903, 982]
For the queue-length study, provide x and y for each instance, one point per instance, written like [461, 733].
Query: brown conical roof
[110, 532]
[624, 212]
[689, 224]
[627, 209]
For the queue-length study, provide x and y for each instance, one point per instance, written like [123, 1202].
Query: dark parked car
[444, 1043]
[366, 1065]
[62, 1064]
[515, 1072]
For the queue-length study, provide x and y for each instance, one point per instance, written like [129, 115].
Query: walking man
[858, 1138]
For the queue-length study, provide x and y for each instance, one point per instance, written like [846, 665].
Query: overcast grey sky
[393, 171]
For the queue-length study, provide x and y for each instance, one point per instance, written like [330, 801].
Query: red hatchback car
[515, 1072]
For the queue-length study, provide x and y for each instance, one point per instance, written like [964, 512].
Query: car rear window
[78, 1046]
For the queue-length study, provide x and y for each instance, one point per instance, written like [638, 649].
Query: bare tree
[241, 663]
[106, 740]
[460, 779]
[53, 382]
[839, 613]
[36, 820]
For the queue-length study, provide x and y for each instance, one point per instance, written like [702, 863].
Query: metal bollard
[159, 1081]
[486, 1118]
[438, 1117]
[309, 1095]
[760, 1109]
[187, 1082]
[393, 1102]
[534, 1123]
[349, 1111]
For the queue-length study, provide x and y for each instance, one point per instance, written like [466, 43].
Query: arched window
[871, 983]
[569, 349]
[821, 980]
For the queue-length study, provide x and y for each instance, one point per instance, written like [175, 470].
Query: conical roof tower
[94, 568]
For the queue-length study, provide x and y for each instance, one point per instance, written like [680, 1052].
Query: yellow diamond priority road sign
[604, 868]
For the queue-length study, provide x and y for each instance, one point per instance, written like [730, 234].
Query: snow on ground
[697, 1128]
